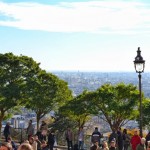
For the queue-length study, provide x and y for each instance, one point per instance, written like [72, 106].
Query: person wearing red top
[135, 140]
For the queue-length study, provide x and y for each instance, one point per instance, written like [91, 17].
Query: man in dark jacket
[96, 136]
[120, 139]
[7, 131]
[147, 138]
[51, 140]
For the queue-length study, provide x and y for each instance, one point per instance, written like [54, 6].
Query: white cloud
[95, 16]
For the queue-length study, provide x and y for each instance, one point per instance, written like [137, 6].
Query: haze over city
[84, 35]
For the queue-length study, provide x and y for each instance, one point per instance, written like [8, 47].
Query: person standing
[51, 140]
[120, 139]
[43, 131]
[96, 136]
[30, 130]
[7, 131]
[135, 140]
[69, 137]
[147, 138]
[113, 136]
[81, 138]
[126, 139]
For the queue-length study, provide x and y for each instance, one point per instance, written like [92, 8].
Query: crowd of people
[45, 139]
[119, 140]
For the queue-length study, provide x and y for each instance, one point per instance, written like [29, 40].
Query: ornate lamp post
[139, 65]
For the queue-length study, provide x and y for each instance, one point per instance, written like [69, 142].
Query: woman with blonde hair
[25, 146]
[105, 146]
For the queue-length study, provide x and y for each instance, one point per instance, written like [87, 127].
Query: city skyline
[77, 35]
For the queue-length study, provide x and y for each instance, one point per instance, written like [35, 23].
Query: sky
[77, 35]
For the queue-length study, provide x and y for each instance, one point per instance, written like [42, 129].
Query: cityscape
[79, 81]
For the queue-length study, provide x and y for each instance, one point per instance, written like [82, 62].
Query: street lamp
[139, 65]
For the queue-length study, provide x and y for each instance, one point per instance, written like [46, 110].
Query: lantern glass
[139, 67]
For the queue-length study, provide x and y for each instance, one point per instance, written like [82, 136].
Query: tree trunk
[114, 126]
[1, 119]
[38, 121]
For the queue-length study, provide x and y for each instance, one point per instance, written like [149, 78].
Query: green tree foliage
[47, 92]
[79, 109]
[15, 71]
[118, 103]
[146, 113]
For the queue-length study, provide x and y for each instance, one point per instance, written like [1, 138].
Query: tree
[118, 103]
[146, 114]
[79, 108]
[15, 71]
[47, 92]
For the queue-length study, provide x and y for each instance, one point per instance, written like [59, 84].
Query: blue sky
[81, 35]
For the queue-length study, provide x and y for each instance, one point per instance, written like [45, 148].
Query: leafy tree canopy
[79, 108]
[15, 71]
[117, 103]
[146, 112]
[47, 92]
